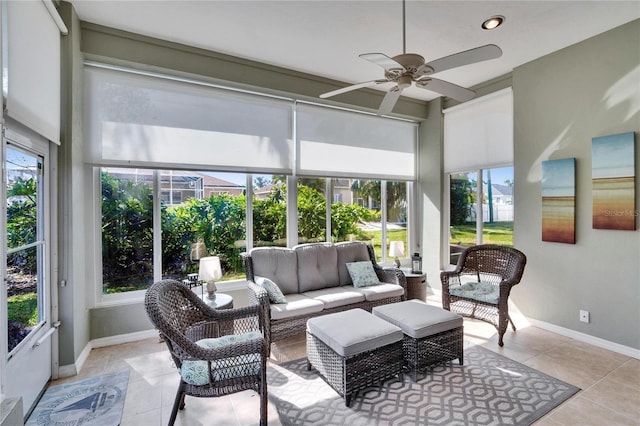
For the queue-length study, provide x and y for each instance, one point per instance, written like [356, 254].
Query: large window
[478, 152]
[480, 214]
[186, 165]
[129, 229]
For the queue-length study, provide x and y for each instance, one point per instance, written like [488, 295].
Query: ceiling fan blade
[350, 88]
[389, 101]
[383, 60]
[445, 88]
[471, 56]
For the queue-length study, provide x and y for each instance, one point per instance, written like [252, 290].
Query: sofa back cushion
[317, 266]
[350, 251]
[278, 264]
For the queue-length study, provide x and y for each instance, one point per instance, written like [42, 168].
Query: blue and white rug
[96, 401]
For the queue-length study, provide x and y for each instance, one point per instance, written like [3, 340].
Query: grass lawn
[493, 233]
[375, 238]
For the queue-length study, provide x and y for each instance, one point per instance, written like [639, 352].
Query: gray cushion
[336, 296]
[350, 251]
[317, 266]
[279, 265]
[354, 331]
[417, 319]
[482, 291]
[381, 291]
[296, 305]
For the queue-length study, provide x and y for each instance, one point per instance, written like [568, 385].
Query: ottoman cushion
[417, 319]
[354, 331]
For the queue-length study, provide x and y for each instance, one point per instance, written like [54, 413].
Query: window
[478, 152]
[269, 211]
[275, 189]
[487, 222]
[127, 229]
[25, 245]
[186, 217]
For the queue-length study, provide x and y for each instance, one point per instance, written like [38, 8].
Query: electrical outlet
[584, 316]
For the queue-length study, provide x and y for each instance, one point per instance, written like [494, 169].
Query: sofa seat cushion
[297, 305]
[336, 296]
[481, 291]
[380, 291]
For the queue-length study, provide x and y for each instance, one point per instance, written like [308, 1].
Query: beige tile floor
[610, 382]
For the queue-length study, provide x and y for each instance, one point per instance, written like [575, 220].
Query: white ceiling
[325, 37]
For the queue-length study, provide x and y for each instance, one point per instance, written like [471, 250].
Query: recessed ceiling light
[493, 22]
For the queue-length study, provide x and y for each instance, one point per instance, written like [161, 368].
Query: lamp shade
[210, 269]
[396, 249]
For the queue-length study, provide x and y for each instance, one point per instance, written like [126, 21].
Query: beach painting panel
[613, 182]
[559, 200]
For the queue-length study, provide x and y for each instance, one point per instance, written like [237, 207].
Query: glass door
[26, 294]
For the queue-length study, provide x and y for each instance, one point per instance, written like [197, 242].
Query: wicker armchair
[480, 285]
[232, 359]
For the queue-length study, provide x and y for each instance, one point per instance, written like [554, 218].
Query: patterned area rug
[488, 390]
[96, 401]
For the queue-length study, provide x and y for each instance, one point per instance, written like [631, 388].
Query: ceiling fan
[410, 68]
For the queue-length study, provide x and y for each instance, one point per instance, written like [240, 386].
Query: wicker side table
[416, 286]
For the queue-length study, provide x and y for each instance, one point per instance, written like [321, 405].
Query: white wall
[562, 101]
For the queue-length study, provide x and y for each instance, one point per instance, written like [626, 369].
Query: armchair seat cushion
[480, 291]
[195, 372]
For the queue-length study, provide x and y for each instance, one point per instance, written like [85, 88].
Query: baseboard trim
[581, 337]
[586, 338]
[123, 338]
[73, 369]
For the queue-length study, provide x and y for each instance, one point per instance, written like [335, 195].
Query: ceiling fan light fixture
[493, 22]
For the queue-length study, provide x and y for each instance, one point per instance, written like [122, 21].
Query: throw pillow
[362, 274]
[273, 291]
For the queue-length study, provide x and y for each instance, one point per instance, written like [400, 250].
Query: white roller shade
[479, 133]
[333, 142]
[33, 67]
[146, 121]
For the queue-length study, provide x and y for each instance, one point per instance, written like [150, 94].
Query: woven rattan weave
[183, 319]
[497, 265]
[430, 350]
[347, 375]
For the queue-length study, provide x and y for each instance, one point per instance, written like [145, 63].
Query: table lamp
[396, 249]
[209, 272]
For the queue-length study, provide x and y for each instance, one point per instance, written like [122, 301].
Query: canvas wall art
[559, 200]
[613, 181]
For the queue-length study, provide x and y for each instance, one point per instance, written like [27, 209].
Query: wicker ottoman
[353, 349]
[431, 335]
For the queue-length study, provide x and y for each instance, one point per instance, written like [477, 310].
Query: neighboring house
[177, 186]
[263, 192]
[501, 194]
[213, 185]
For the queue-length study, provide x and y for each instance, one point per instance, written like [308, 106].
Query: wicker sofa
[315, 281]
